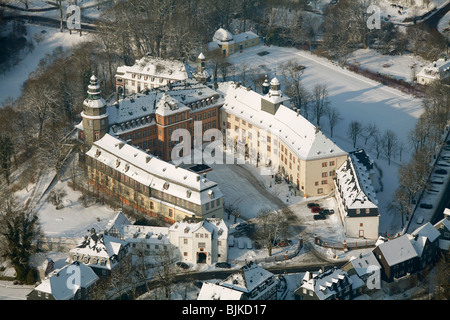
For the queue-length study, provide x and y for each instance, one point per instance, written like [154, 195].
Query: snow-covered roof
[222, 35]
[154, 66]
[118, 223]
[245, 36]
[428, 231]
[153, 172]
[211, 291]
[56, 282]
[247, 278]
[167, 105]
[398, 250]
[139, 109]
[354, 185]
[364, 264]
[216, 227]
[438, 69]
[150, 234]
[99, 245]
[303, 138]
[328, 283]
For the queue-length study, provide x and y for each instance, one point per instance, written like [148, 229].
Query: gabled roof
[216, 227]
[118, 222]
[328, 283]
[247, 278]
[428, 231]
[56, 283]
[398, 250]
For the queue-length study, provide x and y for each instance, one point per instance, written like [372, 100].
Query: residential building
[225, 43]
[212, 291]
[101, 252]
[250, 282]
[397, 257]
[204, 241]
[333, 284]
[151, 185]
[437, 70]
[443, 226]
[149, 72]
[356, 197]
[365, 273]
[61, 284]
[425, 240]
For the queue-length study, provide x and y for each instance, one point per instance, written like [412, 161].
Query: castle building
[263, 125]
[149, 184]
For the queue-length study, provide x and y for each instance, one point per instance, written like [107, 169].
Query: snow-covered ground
[11, 82]
[397, 66]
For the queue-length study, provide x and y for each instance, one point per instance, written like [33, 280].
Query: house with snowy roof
[149, 72]
[356, 197]
[115, 226]
[200, 241]
[102, 252]
[443, 226]
[213, 291]
[365, 272]
[148, 240]
[71, 282]
[250, 282]
[398, 258]
[149, 184]
[437, 70]
[225, 43]
[278, 138]
[425, 240]
[333, 284]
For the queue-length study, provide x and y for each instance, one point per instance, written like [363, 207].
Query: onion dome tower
[94, 115]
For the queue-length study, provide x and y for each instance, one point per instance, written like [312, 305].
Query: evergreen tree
[6, 152]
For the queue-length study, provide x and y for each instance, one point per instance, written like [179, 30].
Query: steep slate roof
[328, 283]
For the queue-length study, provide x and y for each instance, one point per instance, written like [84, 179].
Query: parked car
[319, 217]
[419, 220]
[443, 164]
[223, 265]
[426, 205]
[440, 171]
[316, 209]
[437, 180]
[284, 243]
[182, 265]
[312, 205]
[327, 211]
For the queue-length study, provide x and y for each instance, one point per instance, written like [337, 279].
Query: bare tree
[333, 118]
[369, 131]
[390, 144]
[270, 226]
[320, 101]
[354, 130]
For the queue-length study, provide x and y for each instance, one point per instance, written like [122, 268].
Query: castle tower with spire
[94, 115]
[201, 75]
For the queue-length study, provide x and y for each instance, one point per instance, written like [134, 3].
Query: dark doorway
[201, 257]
